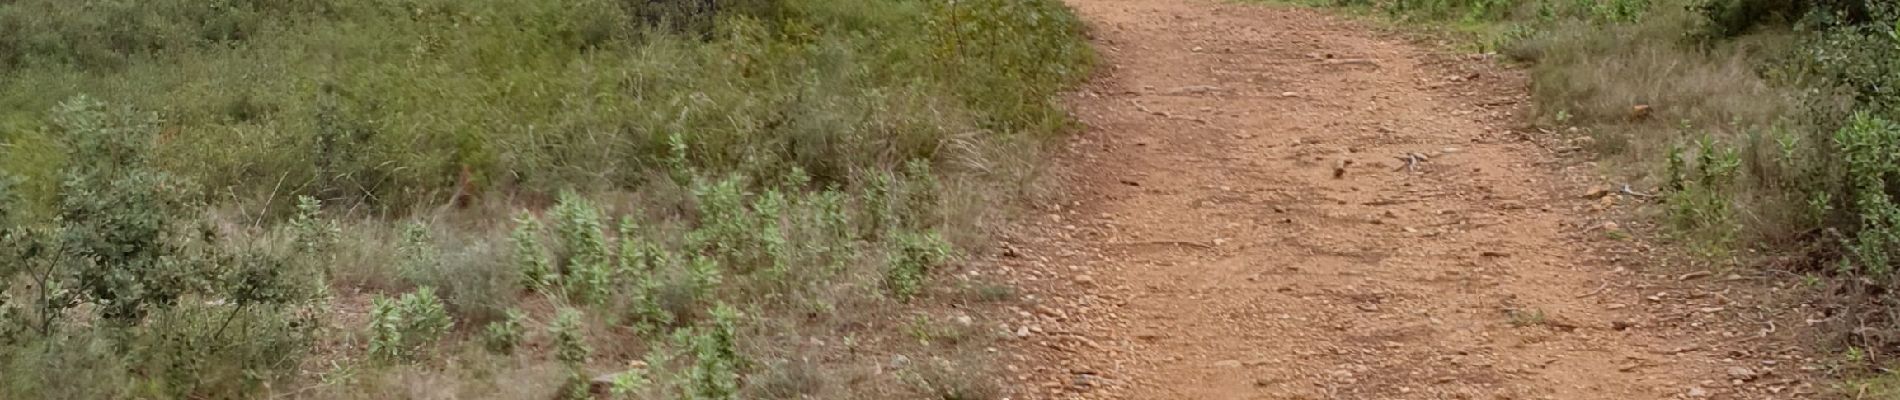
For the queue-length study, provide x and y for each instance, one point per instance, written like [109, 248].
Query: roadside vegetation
[1770, 129]
[512, 198]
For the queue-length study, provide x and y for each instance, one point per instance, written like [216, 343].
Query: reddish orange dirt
[1270, 202]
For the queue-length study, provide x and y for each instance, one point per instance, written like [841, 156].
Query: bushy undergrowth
[193, 194]
[1764, 124]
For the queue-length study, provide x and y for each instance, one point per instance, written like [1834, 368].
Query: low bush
[404, 327]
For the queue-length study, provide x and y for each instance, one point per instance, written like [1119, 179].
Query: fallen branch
[1527, 137]
[1169, 242]
[1599, 290]
[1411, 162]
[1633, 193]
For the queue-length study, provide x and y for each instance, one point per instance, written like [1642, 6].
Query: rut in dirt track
[1273, 203]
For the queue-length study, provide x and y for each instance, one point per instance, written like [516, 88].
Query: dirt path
[1244, 228]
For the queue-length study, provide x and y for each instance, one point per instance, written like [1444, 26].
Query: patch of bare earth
[1273, 203]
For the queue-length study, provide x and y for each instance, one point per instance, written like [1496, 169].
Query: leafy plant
[402, 327]
[715, 372]
[501, 337]
[418, 253]
[910, 264]
[589, 268]
[537, 270]
[119, 214]
[571, 349]
[315, 236]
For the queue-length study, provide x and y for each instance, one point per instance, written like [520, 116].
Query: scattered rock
[899, 362]
[1741, 373]
[1698, 392]
[1084, 280]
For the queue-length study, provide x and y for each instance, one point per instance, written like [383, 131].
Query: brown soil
[1273, 203]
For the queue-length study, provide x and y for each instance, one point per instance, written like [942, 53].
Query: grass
[435, 198]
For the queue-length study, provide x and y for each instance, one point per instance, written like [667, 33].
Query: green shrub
[588, 269]
[315, 236]
[571, 349]
[531, 257]
[119, 213]
[401, 328]
[419, 254]
[911, 262]
[502, 336]
[1868, 146]
[717, 363]
[1864, 60]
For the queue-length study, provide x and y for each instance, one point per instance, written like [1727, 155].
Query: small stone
[965, 320]
[1289, 94]
[899, 361]
[1741, 373]
[1022, 331]
[1611, 226]
[1084, 280]
[1698, 392]
[1227, 364]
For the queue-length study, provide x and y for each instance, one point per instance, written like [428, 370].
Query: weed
[418, 251]
[537, 270]
[1521, 318]
[501, 337]
[911, 262]
[571, 349]
[715, 372]
[315, 236]
[944, 380]
[401, 328]
[588, 268]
